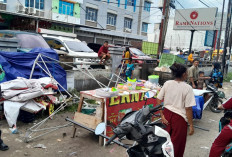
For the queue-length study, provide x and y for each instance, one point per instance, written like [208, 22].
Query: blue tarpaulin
[197, 110]
[18, 64]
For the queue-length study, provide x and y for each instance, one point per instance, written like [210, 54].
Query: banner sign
[209, 38]
[195, 19]
[117, 107]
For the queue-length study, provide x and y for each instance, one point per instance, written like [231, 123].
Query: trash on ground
[40, 146]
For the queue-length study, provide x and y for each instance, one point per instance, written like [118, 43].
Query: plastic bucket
[153, 79]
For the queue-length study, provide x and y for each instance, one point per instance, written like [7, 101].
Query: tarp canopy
[18, 64]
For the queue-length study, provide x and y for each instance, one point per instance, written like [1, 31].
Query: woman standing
[178, 101]
[127, 55]
[216, 75]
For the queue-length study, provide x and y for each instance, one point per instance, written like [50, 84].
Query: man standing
[103, 52]
[193, 73]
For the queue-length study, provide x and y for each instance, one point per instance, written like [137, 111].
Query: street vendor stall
[112, 109]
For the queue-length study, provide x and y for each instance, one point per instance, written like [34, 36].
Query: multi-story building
[61, 15]
[118, 21]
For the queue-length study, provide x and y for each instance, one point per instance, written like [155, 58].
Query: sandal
[3, 147]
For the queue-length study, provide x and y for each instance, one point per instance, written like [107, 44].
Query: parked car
[138, 54]
[70, 46]
[20, 41]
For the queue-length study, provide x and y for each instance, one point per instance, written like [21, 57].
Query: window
[144, 27]
[3, 1]
[91, 14]
[66, 8]
[54, 43]
[111, 19]
[77, 46]
[128, 23]
[130, 2]
[39, 4]
[147, 6]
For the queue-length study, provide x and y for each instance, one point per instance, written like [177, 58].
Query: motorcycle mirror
[100, 128]
[150, 94]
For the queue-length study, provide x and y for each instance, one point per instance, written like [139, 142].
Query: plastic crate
[169, 59]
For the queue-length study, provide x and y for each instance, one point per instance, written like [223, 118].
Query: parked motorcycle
[150, 137]
[215, 99]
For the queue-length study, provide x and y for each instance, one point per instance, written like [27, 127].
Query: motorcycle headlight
[221, 94]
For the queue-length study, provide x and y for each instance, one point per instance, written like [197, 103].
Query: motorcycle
[151, 140]
[215, 99]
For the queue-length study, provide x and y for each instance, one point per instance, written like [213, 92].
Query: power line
[203, 3]
[209, 2]
[180, 4]
[124, 4]
[142, 19]
[218, 2]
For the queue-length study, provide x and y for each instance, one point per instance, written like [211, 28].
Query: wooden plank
[80, 104]
[87, 120]
[74, 131]
[88, 96]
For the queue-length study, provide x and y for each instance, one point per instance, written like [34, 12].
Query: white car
[72, 46]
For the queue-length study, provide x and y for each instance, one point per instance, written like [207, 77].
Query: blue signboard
[209, 38]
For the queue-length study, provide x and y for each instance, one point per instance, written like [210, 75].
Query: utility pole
[163, 27]
[220, 31]
[226, 35]
[191, 41]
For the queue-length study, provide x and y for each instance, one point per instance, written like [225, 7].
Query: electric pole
[220, 31]
[226, 35]
[163, 26]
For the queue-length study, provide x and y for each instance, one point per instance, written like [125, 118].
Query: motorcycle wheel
[214, 104]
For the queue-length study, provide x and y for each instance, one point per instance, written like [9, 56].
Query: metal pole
[220, 31]
[226, 35]
[91, 130]
[161, 29]
[191, 41]
[166, 17]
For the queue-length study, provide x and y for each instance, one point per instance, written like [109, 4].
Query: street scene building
[93, 21]
[78, 77]
[116, 21]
